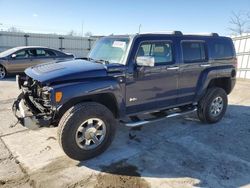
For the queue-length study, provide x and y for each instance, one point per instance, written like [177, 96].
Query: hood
[66, 71]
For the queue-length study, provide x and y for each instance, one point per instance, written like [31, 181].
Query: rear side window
[161, 51]
[50, 53]
[193, 51]
[45, 53]
[222, 50]
[40, 53]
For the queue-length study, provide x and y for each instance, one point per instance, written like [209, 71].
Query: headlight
[46, 93]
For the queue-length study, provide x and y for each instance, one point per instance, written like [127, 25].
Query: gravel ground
[178, 152]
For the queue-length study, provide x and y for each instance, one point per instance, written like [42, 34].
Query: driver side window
[22, 54]
[160, 51]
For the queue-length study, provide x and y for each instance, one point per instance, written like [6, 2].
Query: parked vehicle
[16, 60]
[134, 80]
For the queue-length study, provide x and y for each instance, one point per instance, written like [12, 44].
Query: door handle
[173, 68]
[205, 65]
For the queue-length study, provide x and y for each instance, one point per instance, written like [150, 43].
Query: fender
[79, 91]
[209, 74]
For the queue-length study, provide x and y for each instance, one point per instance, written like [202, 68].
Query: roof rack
[164, 32]
[180, 33]
[203, 34]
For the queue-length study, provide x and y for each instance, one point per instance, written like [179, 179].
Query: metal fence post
[89, 39]
[26, 39]
[61, 43]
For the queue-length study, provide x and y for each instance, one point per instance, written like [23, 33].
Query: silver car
[16, 60]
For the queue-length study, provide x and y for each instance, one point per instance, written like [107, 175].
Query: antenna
[139, 28]
[82, 28]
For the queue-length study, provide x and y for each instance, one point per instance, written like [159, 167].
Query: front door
[153, 87]
[19, 61]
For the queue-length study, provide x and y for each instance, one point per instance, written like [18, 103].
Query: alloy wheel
[90, 133]
[216, 106]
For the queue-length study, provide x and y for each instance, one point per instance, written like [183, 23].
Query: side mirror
[13, 56]
[146, 61]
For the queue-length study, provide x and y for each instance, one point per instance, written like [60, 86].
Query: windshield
[8, 52]
[112, 50]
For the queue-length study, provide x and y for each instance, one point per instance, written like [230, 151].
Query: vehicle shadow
[180, 151]
[11, 77]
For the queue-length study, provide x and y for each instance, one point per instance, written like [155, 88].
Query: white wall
[79, 46]
[242, 47]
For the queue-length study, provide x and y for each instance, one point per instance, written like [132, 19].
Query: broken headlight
[46, 96]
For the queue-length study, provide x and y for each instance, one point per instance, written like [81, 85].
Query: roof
[15, 49]
[179, 33]
[176, 33]
[24, 47]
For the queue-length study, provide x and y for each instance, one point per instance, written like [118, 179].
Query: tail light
[235, 61]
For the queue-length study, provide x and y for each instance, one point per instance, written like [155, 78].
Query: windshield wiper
[98, 60]
[102, 61]
[90, 59]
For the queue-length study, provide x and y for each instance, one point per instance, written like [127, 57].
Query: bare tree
[72, 33]
[248, 18]
[14, 29]
[88, 34]
[239, 23]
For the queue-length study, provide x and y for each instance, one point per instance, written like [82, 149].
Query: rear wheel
[86, 130]
[213, 105]
[3, 72]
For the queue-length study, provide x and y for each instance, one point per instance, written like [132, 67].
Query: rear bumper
[26, 117]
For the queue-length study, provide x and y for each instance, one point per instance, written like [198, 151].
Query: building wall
[242, 47]
[79, 46]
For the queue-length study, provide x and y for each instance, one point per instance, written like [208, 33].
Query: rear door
[194, 61]
[61, 56]
[43, 56]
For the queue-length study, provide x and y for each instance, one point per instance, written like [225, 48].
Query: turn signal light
[58, 96]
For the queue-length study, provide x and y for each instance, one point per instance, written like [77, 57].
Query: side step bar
[143, 122]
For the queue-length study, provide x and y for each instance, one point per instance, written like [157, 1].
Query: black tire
[72, 120]
[3, 72]
[204, 107]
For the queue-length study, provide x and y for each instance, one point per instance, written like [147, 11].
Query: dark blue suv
[132, 79]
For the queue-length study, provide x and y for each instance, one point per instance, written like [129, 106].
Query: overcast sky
[119, 17]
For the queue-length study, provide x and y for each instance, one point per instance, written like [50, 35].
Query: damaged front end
[33, 107]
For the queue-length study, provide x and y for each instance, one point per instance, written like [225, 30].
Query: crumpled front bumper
[26, 117]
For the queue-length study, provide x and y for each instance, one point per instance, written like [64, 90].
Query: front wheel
[213, 105]
[86, 130]
[3, 72]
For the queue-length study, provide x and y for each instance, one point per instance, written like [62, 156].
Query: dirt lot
[178, 152]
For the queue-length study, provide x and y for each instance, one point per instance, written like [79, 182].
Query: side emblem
[132, 99]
